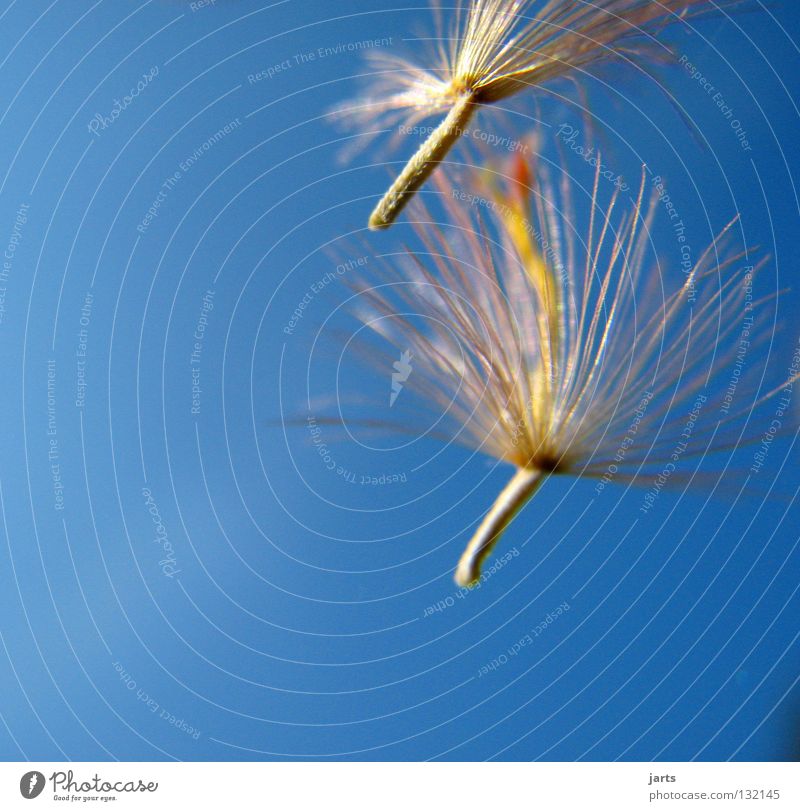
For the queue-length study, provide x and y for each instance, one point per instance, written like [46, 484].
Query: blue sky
[182, 575]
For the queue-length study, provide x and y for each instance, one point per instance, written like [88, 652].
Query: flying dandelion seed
[542, 345]
[497, 49]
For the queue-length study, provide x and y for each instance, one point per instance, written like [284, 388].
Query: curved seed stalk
[512, 499]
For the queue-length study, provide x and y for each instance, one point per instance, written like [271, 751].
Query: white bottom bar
[402, 786]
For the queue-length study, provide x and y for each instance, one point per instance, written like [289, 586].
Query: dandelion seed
[544, 347]
[497, 49]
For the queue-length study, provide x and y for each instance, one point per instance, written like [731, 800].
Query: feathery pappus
[558, 348]
[496, 49]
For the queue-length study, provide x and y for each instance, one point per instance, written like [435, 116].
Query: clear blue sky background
[277, 610]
